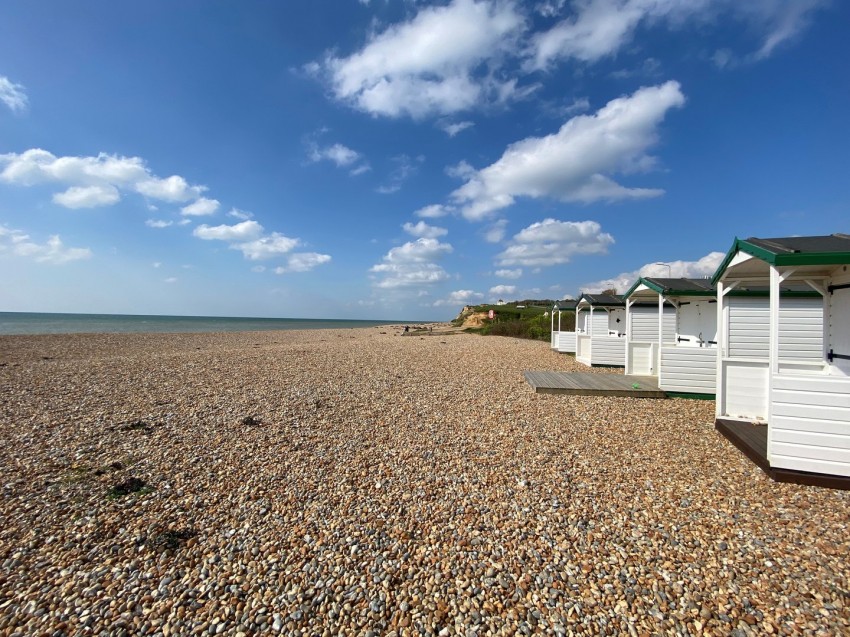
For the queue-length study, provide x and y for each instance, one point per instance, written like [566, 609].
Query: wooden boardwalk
[591, 384]
[751, 440]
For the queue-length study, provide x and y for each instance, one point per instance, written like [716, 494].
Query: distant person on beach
[406, 329]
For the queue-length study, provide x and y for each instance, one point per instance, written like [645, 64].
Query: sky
[399, 159]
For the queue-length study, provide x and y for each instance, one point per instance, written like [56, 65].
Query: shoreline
[354, 481]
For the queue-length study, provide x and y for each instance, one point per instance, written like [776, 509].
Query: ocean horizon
[32, 323]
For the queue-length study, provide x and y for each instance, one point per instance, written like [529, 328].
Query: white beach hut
[563, 340]
[683, 354]
[786, 360]
[601, 330]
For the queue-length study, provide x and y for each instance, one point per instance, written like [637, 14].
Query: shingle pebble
[353, 482]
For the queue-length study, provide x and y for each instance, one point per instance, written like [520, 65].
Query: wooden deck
[590, 384]
[751, 440]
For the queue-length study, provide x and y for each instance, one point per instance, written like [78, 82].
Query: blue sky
[394, 159]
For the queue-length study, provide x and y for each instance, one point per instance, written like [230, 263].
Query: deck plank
[593, 384]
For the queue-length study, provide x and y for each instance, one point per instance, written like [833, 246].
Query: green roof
[675, 287]
[833, 249]
[603, 300]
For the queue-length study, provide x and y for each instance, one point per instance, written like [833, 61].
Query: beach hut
[563, 340]
[601, 330]
[785, 359]
[683, 354]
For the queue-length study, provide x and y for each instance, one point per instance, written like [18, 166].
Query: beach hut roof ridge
[675, 286]
[603, 300]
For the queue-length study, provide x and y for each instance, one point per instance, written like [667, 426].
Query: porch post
[773, 353]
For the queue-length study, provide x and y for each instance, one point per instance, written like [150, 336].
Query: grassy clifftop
[522, 319]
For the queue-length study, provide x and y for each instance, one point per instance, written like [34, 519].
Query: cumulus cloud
[459, 297]
[502, 290]
[244, 231]
[239, 214]
[412, 264]
[422, 229]
[550, 242]
[701, 268]
[201, 208]
[303, 262]
[53, 251]
[405, 167]
[249, 238]
[453, 128]
[597, 29]
[93, 181]
[158, 223]
[433, 212]
[442, 61]
[509, 274]
[340, 155]
[13, 95]
[87, 196]
[496, 231]
[575, 164]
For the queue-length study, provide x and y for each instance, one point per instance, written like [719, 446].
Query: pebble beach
[366, 482]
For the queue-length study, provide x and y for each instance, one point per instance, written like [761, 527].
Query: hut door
[839, 331]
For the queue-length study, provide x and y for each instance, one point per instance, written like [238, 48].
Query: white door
[839, 330]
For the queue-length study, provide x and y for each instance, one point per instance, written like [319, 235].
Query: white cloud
[87, 196]
[496, 231]
[453, 128]
[574, 164]
[174, 189]
[268, 247]
[303, 262]
[240, 232]
[171, 279]
[94, 180]
[502, 290]
[158, 223]
[249, 238]
[422, 229]
[53, 252]
[239, 214]
[412, 264]
[13, 95]
[342, 156]
[598, 29]
[509, 274]
[405, 168]
[433, 212]
[442, 61]
[200, 208]
[460, 297]
[156, 264]
[550, 242]
[701, 268]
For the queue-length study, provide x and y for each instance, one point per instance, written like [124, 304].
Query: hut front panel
[749, 327]
[583, 342]
[695, 319]
[566, 342]
[810, 424]
[641, 359]
[688, 369]
[608, 350]
[839, 327]
[801, 330]
[745, 390]
[643, 324]
[616, 322]
[598, 323]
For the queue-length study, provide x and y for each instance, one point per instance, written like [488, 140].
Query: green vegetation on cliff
[523, 319]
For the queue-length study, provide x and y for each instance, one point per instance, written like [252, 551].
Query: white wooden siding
[801, 329]
[688, 370]
[599, 323]
[749, 327]
[810, 424]
[583, 348]
[745, 390]
[640, 358]
[608, 350]
[566, 342]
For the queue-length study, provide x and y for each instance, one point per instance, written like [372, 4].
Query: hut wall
[688, 370]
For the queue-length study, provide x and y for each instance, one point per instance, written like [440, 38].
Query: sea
[49, 323]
